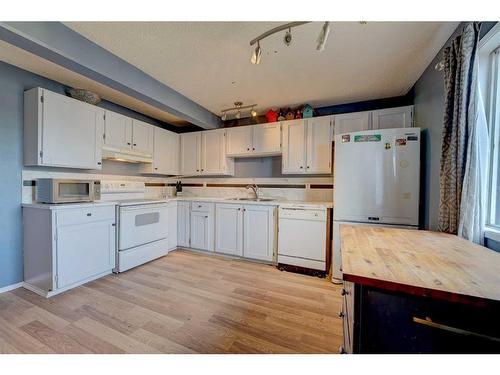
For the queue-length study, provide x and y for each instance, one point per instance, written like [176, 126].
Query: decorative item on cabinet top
[84, 96]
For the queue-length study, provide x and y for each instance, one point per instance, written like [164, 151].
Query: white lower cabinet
[195, 225]
[84, 250]
[172, 225]
[183, 223]
[229, 229]
[259, 226]
[245, 230]
[202, 226]
[66, 247]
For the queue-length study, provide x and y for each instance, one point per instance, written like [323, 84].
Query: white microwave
[54, 190]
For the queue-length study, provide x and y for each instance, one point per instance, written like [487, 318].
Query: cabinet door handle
[89, 214]
[248, 148]
[253, 148]
[202, 169]
[128, 143]
[429, 323]
[113, 225]
[341, 314]
[206, 217]
[308, 166]
[99, 163]
[156, 168]
[135, 144]
[301, 167]
[344, 292]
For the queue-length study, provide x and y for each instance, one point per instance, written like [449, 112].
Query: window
[489, 81]
[494, 122]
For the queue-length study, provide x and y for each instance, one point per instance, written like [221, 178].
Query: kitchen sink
[254, 199]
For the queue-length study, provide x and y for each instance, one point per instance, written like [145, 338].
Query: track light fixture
[287, 39]
[323, 36]
[238, 107]
[256, 55]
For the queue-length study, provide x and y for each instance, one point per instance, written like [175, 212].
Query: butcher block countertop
[424, 263]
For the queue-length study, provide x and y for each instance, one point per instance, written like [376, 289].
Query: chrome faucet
[255, 189]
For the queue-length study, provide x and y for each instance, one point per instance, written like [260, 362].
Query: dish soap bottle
[178, 188]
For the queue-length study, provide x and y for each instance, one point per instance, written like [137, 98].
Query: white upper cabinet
[294, 146]
[204, 153]
[117, 131]
[122, 134]
[352, 122]
[255, 140]
[267, 139]
[190, 153]
[307, 146]
[61, 132]
[400, 117]
[319, 145]
[142, 137]
[166, 153]
[213, 153]
[239, 141]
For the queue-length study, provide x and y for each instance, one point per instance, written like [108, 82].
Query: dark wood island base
[418, 292]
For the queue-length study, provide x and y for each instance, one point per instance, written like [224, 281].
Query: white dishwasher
[302, 237]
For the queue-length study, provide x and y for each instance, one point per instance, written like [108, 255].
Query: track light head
[238, 115]
[288, 37]
[253, 112]
[323, 36]
[256, 55]
[224, 116]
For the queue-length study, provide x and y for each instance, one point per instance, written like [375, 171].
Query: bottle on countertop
[178, 188]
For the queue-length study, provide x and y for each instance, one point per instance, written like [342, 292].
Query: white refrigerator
[376, 181]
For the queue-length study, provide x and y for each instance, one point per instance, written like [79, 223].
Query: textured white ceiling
[209, 62]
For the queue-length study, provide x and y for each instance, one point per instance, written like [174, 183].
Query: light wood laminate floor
[182, 303]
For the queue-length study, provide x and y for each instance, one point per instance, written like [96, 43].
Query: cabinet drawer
[201, 206]
[85, 215]
[302, 214]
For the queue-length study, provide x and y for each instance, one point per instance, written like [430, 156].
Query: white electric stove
[141, 222]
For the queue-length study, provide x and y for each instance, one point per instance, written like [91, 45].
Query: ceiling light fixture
[323, 36]
[256, 55]
[238, 107]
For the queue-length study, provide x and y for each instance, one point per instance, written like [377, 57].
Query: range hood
[125, 155]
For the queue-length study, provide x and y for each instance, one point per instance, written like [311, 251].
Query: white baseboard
[10, 287]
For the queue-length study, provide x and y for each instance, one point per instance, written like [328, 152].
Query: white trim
[8, 288]
[51, 293]
[492, 233]
[489, 35]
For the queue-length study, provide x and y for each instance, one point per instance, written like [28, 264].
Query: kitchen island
[409, 291]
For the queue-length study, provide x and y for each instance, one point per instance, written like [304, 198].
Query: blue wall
[13, 82]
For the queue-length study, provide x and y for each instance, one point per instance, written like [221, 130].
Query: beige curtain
[460, 83]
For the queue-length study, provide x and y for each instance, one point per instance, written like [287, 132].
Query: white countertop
[65, 206]
[277, 202]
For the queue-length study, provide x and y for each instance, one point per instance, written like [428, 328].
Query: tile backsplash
[313, 189]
